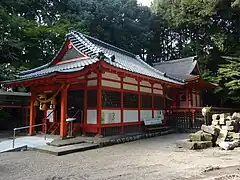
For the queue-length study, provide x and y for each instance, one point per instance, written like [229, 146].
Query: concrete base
[20, 148]
[58, 151]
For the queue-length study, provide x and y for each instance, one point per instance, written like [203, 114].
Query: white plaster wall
[81, 77]
[156, 91]
[145, 114]
[111, 116]
[130, 80]
[130, 87]
[92, 75]
[92, 82]
[198, 100]
[194, 99]
[145, 83]
[130, 116]
[111, 76]
[158, 113]
[157, 86]
[92, 116]
[111, 84]
[144, 89]
[183, 103]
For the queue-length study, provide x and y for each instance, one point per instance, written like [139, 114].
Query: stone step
[63, 150]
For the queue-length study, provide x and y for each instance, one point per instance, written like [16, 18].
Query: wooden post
[99, 102]
[32, 113]
[122, 123]
[85, 109]
[164, 106]
[139, 106]
[187, 97]
[152, 100]
[63, 124]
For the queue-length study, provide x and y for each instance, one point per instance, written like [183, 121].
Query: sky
[145, 2]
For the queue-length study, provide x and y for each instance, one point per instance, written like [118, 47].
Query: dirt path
[149, 159]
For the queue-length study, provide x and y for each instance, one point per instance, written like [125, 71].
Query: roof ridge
[192, 58]
[86, 38]
[111, 46]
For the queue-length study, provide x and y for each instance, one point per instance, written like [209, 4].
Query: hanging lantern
[36, 103]
[43, 107]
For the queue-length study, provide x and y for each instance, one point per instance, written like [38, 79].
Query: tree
[122, 23]
[229, 80]
[209, 29]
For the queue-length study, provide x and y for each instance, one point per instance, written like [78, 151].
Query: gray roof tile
[91, 46]
[180, 68]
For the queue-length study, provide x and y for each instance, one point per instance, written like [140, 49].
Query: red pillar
[99, 102]
[63, 124]
[139, 106]
[152, 100]
[85, 109]
[32, 113]
[164, 105]
[187, 98]
[122, 123]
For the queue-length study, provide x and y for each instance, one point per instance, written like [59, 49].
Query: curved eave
[200, 83]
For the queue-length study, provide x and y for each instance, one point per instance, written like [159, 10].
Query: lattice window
[130, 100]
[146, 101]
[158, 102]
[92, 98]
[111, 99]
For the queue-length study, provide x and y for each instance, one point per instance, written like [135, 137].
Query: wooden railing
[191, 118]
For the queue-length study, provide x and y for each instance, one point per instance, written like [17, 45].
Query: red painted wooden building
[106, 88]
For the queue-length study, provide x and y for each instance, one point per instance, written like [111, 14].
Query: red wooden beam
[99, 102]
[32, 113]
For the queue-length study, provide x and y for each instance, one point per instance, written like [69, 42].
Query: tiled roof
[179, 68]
[91, 47]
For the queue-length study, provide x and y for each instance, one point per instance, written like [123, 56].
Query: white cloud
[145, 2]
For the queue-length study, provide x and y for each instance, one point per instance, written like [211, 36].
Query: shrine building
[108, 90]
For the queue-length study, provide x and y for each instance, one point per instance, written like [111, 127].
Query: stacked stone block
[223, 132]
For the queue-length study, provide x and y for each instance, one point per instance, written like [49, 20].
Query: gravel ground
[149, 159]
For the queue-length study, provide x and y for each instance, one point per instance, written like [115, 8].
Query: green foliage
[229, 79]
[31, 33]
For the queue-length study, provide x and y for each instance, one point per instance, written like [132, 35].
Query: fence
[184, 119]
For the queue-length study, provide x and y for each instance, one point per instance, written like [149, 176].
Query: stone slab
[227, 145]
[224, 115]
[195, 137]
[215, 122]
[228, 128]
[63, 150]
[222, 121]
[215, 117]
[207, 137]
[193, 145]
[210, 129]
[222, 136]
[236, 116]
[230, 123]
[236, 136]
[20, 148]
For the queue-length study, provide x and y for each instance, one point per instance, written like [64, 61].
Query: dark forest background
[32, 31]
